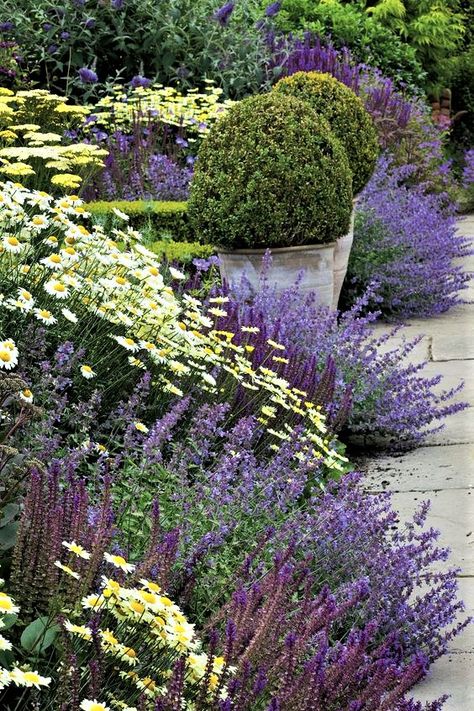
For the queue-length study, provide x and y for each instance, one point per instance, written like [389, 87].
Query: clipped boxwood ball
[270, 174]
[346, 115]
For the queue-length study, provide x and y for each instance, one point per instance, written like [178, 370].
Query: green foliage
[403, 38]
[39, 635]
[349, 26]
[270, 174]
[346, 115]
[176, 42]
[434, 29]
[462, 86]
[183, 252]
[157, 220]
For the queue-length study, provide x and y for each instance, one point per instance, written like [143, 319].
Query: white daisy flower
[119, 562]
[8, 355]
[69, 315]
[56, 288]
[87, 372]
[120, 214]
[176, 274]
[45, 316]
[26, 395]
[127, 343]
[53, 261]
[12, 244]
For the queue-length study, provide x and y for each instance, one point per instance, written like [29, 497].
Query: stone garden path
[443, 471]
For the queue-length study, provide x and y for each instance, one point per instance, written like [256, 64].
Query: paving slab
[452, 674]
[452, 512]
[458, 429]
[424, 469]
[464, 642]
[453, 372]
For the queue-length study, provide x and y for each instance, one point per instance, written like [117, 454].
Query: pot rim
[278, 250]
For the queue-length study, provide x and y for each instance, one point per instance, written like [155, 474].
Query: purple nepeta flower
[222, 14]
[468, 172]
[6, 26]
[273, 9]
[52, 48]
[117, 4]
[47, 26]
[181, 142]
[89, 24]
[138, 80]
[65, 35]
[87, 76]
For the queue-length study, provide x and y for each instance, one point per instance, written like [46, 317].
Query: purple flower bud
[52, 48]
[117, 4]
[138, 80]
[47, 26]
[6, 26]
[222, 14]
[273, 9]
[89, 24]
[87, 76]
[65, 35]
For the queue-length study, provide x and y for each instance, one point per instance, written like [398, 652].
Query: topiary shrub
[270, 174]
[346, 115]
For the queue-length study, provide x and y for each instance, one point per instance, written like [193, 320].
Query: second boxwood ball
[346, 115]
[270, 174]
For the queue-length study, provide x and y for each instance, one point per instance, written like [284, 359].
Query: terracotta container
[314, 264]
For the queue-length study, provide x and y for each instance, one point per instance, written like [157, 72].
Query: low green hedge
[183, 252]
[157, 220]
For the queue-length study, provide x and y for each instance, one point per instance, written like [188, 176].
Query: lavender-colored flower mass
[406, 243]
[273, 9]
[222, 15]
[88, 76]
[138, 81]
[6, 26]
[468, 171]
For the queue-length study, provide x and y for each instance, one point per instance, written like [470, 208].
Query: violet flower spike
[222, 15]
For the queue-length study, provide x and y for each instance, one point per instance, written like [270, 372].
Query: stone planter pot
[342, 252]
[314, 262]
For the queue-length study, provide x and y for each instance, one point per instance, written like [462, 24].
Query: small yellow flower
[141, 427]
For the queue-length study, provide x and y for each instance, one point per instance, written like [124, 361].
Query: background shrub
[420, 34]
[348, 26]
[265, 176]
[176, 42]
[345, 113]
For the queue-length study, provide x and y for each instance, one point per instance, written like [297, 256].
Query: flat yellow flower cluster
[144, 631]
[32, 124]
[196, 110]
[56, 271]
[22, 677]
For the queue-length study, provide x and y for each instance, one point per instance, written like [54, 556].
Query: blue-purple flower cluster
[406, 243]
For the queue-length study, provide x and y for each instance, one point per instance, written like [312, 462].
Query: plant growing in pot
[272, 175]
[353, 126]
